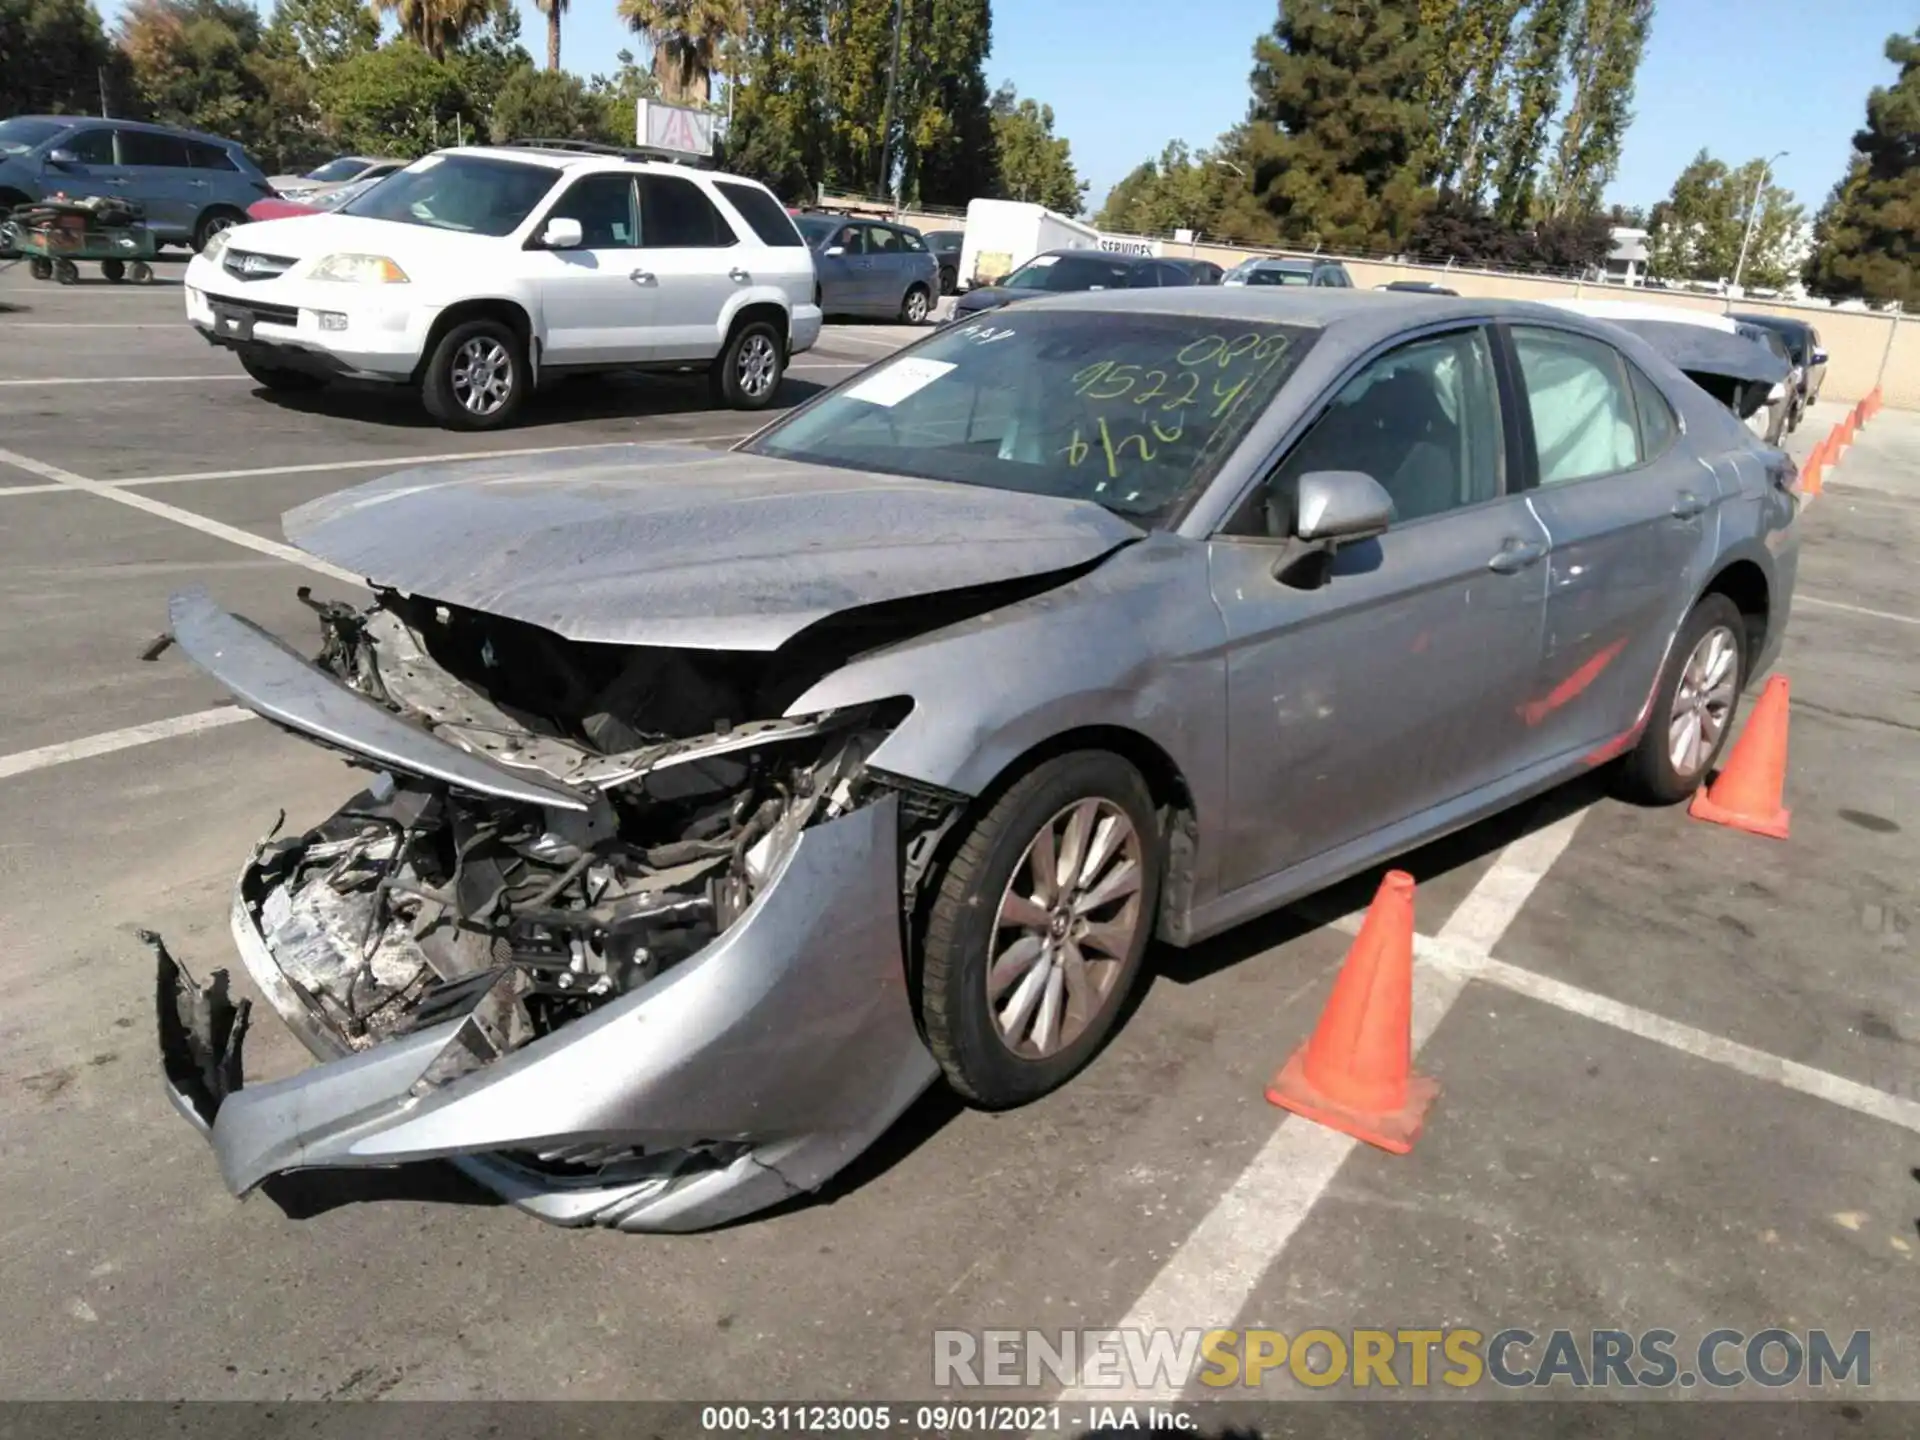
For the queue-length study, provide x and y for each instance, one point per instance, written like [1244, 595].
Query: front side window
[90, 147]
[1132, 411]
[1423, 420]
[470, 193]
[675, 214]
[1583, 419]
[603, 204]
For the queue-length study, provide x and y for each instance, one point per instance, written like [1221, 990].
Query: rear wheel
[1693, 706]
[749, 370]
[913, 309]
[477, 378]
[212, 223]
[1037, 931]
[279, 377]
[115, 270]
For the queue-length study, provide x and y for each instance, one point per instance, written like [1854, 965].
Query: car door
[596, 302]
[1626, 510]
[684, 257]
[160, 177]
[91, 169]
[1394, 687]
[838, 263]
[887, 269]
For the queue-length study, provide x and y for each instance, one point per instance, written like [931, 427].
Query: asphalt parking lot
[1681, 1094]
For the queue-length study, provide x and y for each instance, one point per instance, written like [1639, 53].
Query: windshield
[1070, 272]
[457, 192]
[1273, 275]
[1135, 411]
[19, 136]
[336, 170]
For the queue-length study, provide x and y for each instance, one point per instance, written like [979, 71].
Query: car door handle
[118, 180]
[200, 184]
[641, 277]
[1687, 505]
[1515, 556]
[736, 273]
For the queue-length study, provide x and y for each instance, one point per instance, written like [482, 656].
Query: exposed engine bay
[419, 902]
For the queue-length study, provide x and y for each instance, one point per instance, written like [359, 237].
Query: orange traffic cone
[1747, 792]
[1810, 475]
[1354, 1073]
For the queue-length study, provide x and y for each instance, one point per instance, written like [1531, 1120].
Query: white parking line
[1802, 598]
[88, 746]
[124, 379]
[96, 325]
[865, 340]
[1216, 1268]
[232, 534]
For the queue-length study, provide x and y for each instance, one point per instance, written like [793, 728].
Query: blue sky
[1744, 78]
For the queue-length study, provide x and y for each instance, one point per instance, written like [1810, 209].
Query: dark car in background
[871, 267]
[1416, 287]
[1783, 411]
[1204, 272]
[1054, 272]
[1803, 347]
[191, 186]
[945, 245]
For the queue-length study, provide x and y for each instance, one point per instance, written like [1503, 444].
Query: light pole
[1753, 214]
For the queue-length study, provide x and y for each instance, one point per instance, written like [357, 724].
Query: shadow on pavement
[587, 397]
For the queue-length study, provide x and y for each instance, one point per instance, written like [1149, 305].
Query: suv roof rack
[594, 147]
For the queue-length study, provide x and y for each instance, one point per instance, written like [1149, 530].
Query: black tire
[286, 381]
[40, 268]
[114, 270]
[915, 305]
[1647, 773]
[66, 272]
[750, 367]
[949, 280]
[220, 217]
[451, 378]
[963, 922]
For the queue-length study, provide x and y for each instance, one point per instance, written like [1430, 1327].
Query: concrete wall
[1858, 343]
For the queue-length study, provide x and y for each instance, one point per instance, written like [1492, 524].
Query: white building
[1627, 261]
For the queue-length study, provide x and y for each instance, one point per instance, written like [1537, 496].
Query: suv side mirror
[60, 155]
[1339, 507]
[562, 233]
[1819, 356]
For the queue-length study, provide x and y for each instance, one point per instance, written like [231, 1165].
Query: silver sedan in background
[721, 803]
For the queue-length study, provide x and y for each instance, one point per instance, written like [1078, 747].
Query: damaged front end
[607, 929]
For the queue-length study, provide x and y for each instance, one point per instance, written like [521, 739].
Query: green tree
[1867, 240]
[686, 36]
[1467, 87]
[1035, 164]
[1604, 52]
[1536, 80]
[436, 26]
[782, 121]
[193, 63]
[1697, 230]
[618, 96]
[52, 53]
[325, 32]
[943, 129]
[482, 61]
[1179, 191]
[1339, 130]
[553, 10]
[549, 105]
[397, 100]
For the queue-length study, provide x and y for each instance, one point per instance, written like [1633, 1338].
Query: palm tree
[437, 25]
[686, 36]
[553, 10]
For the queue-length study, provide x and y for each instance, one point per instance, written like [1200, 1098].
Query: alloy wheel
[916, 306]
[1067, 922]
[482, 375]
[1702, 702]
[756, 365]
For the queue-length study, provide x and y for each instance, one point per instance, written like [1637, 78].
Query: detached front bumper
[746, 1075]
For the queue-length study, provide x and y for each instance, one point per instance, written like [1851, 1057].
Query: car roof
[564, 160]
[1284, 262]
[144, 125]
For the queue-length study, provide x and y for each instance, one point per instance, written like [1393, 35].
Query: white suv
[476, 272]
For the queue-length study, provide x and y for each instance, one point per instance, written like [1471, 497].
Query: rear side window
[1583, 417]
[137, 147]
[882, 241]
[910, 241]
[1657, 423]
[761, 211]
[209, 157]
[675, 215]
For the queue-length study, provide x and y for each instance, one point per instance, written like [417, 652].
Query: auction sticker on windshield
[893, 383]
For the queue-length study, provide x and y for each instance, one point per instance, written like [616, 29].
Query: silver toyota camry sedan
[719, 803]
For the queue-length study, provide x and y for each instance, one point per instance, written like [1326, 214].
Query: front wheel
[477, 378]
[1693, 706]
[1037, 931]
[750, 368]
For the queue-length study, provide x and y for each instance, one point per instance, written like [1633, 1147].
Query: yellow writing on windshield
[1213, 373]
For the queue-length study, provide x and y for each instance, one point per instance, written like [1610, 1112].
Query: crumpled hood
[673, 545]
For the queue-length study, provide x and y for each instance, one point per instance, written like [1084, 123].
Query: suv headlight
[216, 244]
[358, 270]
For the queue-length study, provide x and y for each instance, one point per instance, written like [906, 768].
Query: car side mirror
[833, 250]
[1819, 357]
[1339, 507]
[62, 156]
[562, 233]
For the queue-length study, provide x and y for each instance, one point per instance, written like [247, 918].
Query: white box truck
[1002, 235]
